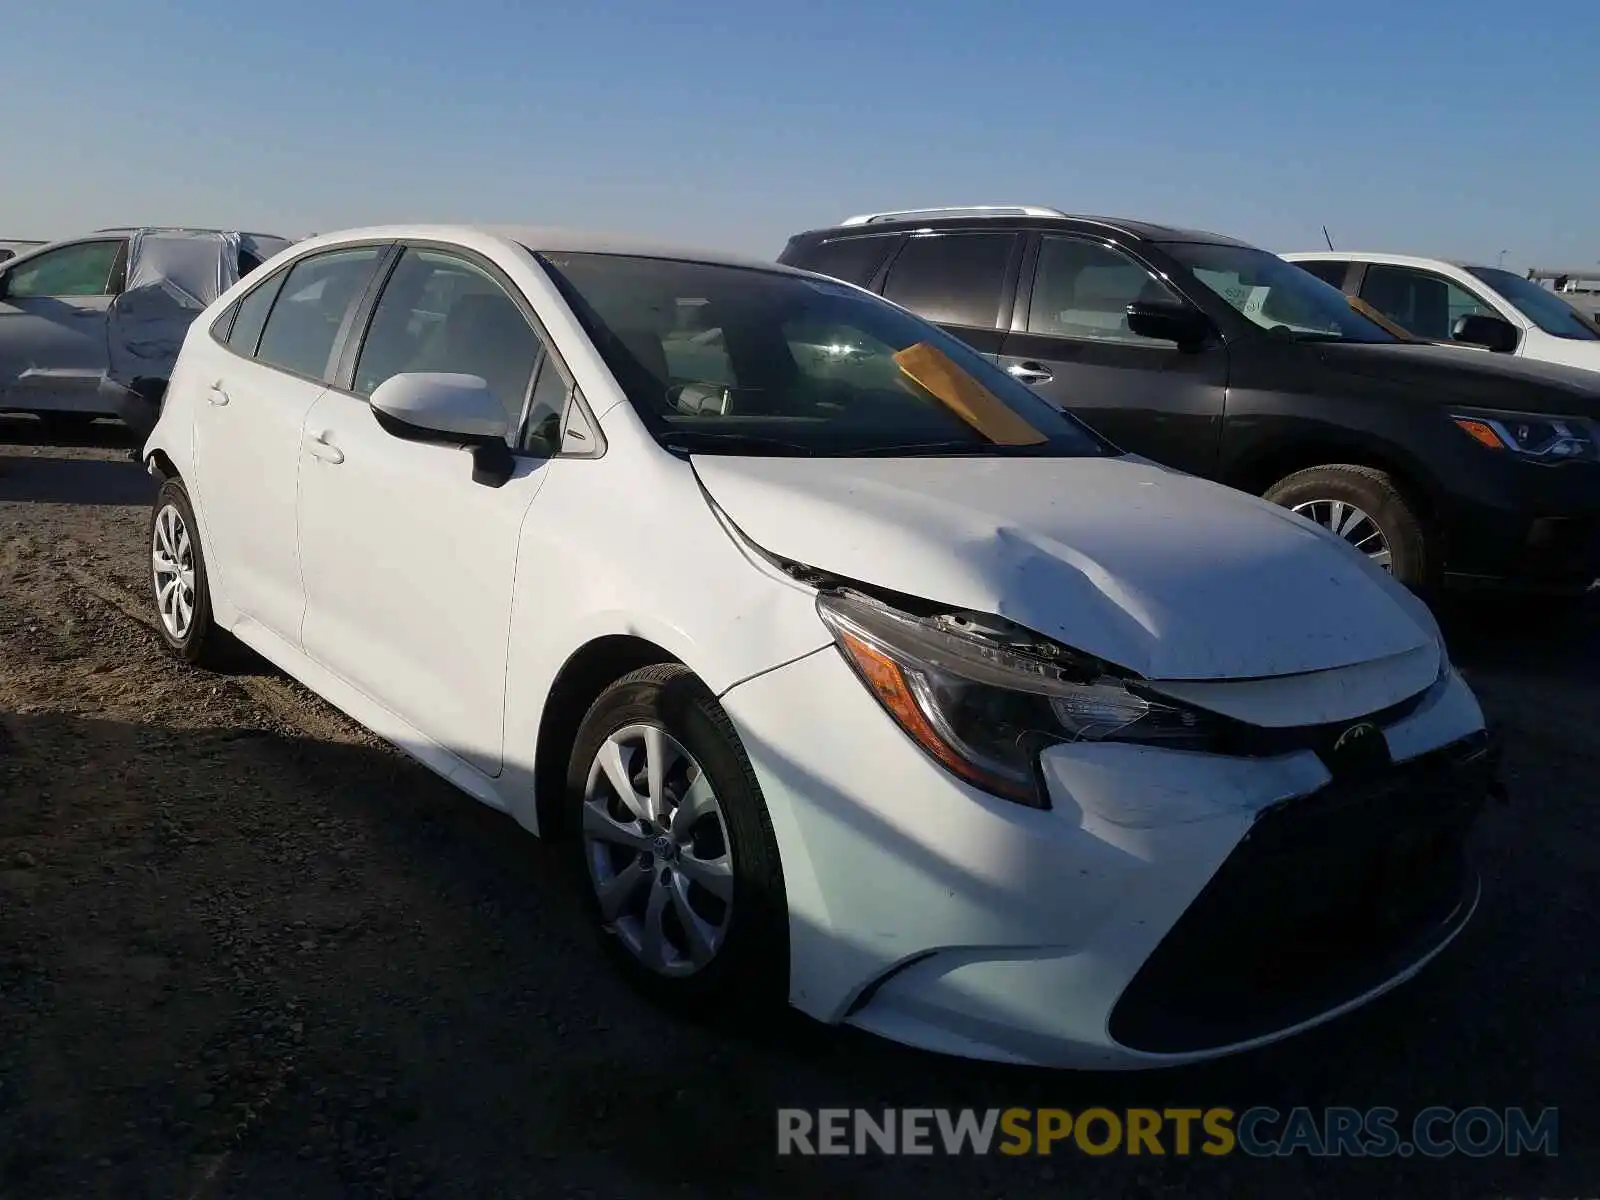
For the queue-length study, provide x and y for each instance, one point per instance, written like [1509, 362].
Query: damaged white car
[856, 675]
[90, 327]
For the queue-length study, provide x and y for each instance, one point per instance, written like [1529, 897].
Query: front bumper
[1123, 927]
[1527, 527]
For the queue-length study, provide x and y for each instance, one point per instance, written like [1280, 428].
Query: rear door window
[251, 317]
[952, 278]
[1329, 272]
[317, 294]
[853, 259]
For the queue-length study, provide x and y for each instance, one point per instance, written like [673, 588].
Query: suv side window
[952, 278]
[1425, 304]
[1082, 289]
[852, 259]
[82, 269]
[311, 306]
[441, 312]
[1328, 272]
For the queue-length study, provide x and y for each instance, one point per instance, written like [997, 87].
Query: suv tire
[1365, 507]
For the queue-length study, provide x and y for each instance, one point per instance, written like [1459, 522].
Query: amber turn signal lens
[1479, 431]
[888, 683]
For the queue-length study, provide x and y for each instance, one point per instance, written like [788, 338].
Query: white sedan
[856, 675]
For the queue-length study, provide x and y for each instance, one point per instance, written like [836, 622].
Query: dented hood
[1161, 573]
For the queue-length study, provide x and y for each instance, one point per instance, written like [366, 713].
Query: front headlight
[1549, 439]
[983, 697]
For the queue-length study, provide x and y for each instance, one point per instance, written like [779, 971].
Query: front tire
[178, 581]
[678, 857]
[1364, 506]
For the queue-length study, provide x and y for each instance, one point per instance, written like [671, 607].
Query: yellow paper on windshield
[963, 395]
[1377, 318]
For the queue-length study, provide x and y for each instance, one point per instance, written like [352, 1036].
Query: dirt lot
[247, 951]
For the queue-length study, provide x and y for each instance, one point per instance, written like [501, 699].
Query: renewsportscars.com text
[1261, 1132]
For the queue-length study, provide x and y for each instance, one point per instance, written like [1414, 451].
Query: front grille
[1327, 896]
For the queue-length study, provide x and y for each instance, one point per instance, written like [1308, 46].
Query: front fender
[678, 578]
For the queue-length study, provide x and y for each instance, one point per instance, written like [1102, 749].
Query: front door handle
[217, 396]
[321, 448]
[1029, 373]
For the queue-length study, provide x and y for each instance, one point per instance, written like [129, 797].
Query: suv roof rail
[956, 210]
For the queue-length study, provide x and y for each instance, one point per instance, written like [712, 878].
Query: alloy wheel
[1353, 525]
[172, 565]
[656, 841]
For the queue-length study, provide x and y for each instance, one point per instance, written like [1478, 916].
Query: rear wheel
[178, 581]
[1363, 506]
[678, 855]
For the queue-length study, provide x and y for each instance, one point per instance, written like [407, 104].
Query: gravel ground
[248, 951]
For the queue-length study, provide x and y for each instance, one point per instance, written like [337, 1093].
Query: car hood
[1480, 379]
[1159, 572]
[1585, 355]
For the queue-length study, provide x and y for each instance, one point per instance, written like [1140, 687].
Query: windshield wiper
[684, 439]
[909, 448]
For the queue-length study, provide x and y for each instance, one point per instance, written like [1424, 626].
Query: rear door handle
[321, 448]
[217, 396]
[1029, 373]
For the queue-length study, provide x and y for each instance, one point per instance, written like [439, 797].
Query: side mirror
[1170, 321]
[426, 406]
[1480, 329]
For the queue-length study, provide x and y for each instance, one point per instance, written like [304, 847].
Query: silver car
[90, 326]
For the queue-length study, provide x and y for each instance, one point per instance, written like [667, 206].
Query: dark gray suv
[1221, 359]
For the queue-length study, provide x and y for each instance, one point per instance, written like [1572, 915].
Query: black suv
[1223, 360]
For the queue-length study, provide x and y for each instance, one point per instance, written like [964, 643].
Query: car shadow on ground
[107, 433]
[1526, 635]
[39, 479]
[43, 466]
[329, 940]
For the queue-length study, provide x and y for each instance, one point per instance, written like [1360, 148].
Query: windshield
[1277, 295]
[735, 360]
[1540, 305]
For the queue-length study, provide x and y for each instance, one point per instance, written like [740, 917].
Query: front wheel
[1363, 506]
[678, 854]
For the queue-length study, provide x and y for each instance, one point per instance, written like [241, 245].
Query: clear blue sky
[1457, 128]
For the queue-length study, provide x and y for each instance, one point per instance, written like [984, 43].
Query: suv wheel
[1363, 506]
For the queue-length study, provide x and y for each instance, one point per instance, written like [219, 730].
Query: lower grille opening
[1328, 896]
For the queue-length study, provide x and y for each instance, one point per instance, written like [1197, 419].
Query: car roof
[544, 239]
[1388, 260]
[1147, 230]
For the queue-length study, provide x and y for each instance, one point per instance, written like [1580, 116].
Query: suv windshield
[1544, 308]
[738, 360]
[1276, 295]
